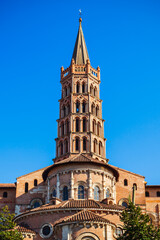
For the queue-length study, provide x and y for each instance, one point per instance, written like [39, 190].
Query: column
[103, 187]
[89, 185]
[48, 190]
[72, 185]
[58, 184]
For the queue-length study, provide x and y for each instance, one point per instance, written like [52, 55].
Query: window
[46, 230]
[147, 194]
[84, 144]
[66, 146]
[26, 187]
[5, 195]
[97, 111]
[83, 107]
[84, 124]
[36, 203]
[83, 88]
[95, 91]
[80, 192]
[65, 193]
[68, 107]
[107, 193]
[54, 193]
[94, 126]
[61, 148]
[95, 145]
[91, 89]
[67, 126]
[77, 107]
[158, 194]
[100, 148]
[35, 182]
[98, 128]
[77, 144]
[135, 186]
[77, 125]
[77, 88]
[64, 111]
[65, 91]
[125, 204]
[118, 231]
[125, 182]
[93, 108]
[62, 128]
[96, 193]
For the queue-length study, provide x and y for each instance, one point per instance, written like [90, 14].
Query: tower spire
[80, 53]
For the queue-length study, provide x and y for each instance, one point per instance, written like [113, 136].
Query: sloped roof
[80, 53]
[81, 158]
[7, 185]
[83, 216]
[24, 229]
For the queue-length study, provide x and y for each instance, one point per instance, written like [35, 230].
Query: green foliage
[7, 231]
[137, 226]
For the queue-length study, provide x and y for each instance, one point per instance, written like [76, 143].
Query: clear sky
[37, 37]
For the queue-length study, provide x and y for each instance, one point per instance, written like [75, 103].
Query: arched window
[35, 182]
[65, 91]
[36, 203]
[91, 89]
[147, 194]
[77, 107]
[77, 144]
[83, 87]
[125, 182]
[61, 148]
[62, 128]
[67, 126]
[95, 91]
[84, 124]
[77, 124]
[84, 144]
[135, 186]
[26, 187]
[107, 193]
[98, 128]
[96, 193]
[124, 204]
[5, 195]
[84, 107]
[77, 88]
[94, 126]
[93, 108]
[158, 194]
[95, 145]
[64, 111]
[54, 193]
[100, 148]
[66, 146]
[97, 111]
[65, 193]
[68, 107]
[80, 192]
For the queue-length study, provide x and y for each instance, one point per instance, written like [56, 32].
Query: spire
[80, 53]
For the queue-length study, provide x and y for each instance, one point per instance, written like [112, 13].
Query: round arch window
[46, 230]
[124, 204]
[36, 203]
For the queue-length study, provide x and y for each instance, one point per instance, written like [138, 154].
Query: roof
[117, 168]
[83, 216]
[81, 158]
[24, 229]
[33, 172]
[7, 185]
[152, 186]
[80, 53]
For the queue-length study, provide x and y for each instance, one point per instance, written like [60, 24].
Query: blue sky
[37, 38]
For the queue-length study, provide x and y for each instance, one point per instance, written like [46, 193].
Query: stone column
[103, 187]
[89, 185]
[72, 185]
[48, 190]
[58, 184]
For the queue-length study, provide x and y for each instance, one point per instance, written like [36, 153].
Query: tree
[136, 225]
[7, 225]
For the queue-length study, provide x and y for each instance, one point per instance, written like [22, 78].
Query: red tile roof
[83, 216]
[7, 185]
[24, 229]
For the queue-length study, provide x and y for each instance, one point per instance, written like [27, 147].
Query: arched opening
[125, 182]
[94, 126]
[124, 204]
[62, 128]
[26, 187]
[80, 192]
[77, 124]
[97, 111]
[66, 146]
[93, 108]
[77, 144]
[98, 129]
[66, 92]
[95, 145]
[5, 195]
[96, 193]
[68, 107]
[91, 90]
[54, 193]
[77, 107]
[100, 148]
[83, 87]
[61, 148]
[64, 111]
[67, 126]
[84, 144]
[158, 194]
[147, 194]
[95, 91]
[77, 88]
[65, 193]
[84, 107]
[35, 182]
[84, 124]
[135, 186]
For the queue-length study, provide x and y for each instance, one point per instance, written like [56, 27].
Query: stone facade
[80, 196]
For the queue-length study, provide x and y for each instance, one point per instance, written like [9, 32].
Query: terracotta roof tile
[83, 216]
[7, 185]
[24, 229]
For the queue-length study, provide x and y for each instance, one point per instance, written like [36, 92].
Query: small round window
[118, 231]
[46, 231]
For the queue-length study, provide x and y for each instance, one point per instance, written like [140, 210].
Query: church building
[80, 196]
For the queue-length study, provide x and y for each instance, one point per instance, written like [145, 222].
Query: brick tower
[80, 123]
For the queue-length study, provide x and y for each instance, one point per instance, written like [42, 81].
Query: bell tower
[80, 123]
